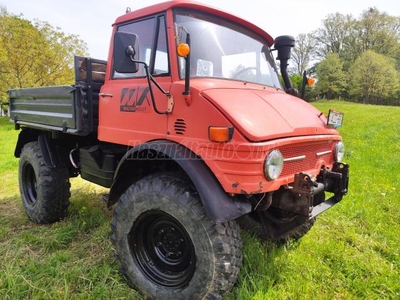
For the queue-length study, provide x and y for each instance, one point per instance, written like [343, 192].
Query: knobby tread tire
[48, 200]
[248, 223]
[218, 246]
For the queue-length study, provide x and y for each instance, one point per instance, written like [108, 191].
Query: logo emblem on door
[135, 99]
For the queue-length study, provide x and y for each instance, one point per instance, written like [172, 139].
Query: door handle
[105, 95]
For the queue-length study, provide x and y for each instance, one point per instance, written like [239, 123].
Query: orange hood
[267, 114]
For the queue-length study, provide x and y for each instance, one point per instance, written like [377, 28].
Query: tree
[35, 54]
[57, 57]
[374, 79]
[302, 53]
[379, 32]
[333, 35]
[331, 78]
[349, 37]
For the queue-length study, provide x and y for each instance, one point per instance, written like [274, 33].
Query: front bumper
[294, 205]
[309, 192]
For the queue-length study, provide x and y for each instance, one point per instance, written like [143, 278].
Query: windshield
[220, 49]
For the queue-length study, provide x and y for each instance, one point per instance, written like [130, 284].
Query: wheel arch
[52, 156]
[218, 205]
[25, 136]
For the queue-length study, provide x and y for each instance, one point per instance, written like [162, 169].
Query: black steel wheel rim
[162, 249]
[29, 184]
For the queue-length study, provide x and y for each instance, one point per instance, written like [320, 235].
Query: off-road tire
[45, 191]
[253, 225]
[168, 248]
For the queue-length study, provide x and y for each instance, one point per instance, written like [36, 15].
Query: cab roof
[164, 6]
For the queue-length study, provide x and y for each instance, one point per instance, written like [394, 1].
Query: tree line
[35, 53]
[356, 59]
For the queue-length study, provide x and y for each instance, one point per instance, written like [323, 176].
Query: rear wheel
[168, 248]
[44, 190]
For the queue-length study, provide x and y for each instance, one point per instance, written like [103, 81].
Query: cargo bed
[68, 108]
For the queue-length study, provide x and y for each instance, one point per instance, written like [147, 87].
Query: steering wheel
[237, 73]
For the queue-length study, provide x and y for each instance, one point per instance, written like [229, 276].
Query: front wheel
[251, 222]
[45, 191]
[168, 248]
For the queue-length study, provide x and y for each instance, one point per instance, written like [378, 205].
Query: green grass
[352, 252]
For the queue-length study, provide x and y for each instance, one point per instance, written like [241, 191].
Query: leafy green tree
[333, 35]
[302, 53]
[331, 77]
[374, 79]
[350, 37]
[296, 81]
[35, 54]
[379, 32]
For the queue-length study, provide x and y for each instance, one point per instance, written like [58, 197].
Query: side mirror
[126, 52]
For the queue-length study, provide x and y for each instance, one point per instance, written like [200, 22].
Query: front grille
[310, 160]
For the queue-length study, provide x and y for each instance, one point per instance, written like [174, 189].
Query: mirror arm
[187, 68]
[149, 80]
[167, 93]
[303, 84]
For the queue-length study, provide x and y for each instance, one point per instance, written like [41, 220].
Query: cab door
[127, 113]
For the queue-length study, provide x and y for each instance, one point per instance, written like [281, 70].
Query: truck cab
[222, 101]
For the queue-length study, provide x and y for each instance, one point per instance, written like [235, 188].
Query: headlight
[339, 151]
[273, 165]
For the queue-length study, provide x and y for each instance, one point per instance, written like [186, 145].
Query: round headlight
[339, 151]
[273, 165]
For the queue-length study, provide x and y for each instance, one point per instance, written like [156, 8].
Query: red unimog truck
[190, 127]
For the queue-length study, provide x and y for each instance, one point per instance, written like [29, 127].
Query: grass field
[352, 252]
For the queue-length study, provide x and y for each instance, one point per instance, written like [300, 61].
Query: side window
[152, 39]
[161, 62]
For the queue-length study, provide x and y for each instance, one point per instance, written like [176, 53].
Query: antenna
[128, 10]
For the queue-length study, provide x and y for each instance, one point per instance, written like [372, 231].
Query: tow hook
[305, 188]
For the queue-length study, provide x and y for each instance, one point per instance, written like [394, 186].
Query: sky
[91, 20]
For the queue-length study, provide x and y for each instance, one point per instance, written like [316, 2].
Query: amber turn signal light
[220, 134]
[310, 81]
[183, 49]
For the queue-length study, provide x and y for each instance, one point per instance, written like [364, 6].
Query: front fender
[218, 206]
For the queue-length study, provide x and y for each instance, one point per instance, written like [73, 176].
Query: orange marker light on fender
[183, 49]
[220, 134]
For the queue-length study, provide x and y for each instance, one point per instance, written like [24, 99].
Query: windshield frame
[231, 47]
